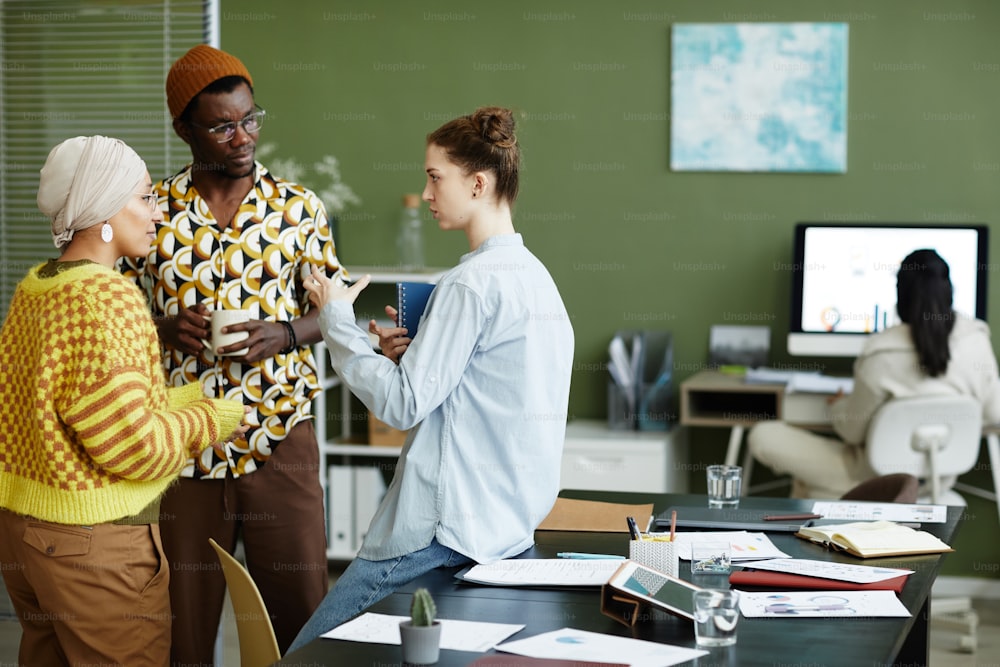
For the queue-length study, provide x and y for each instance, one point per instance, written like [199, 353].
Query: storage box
[380, 433]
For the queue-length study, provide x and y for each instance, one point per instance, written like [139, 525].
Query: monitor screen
[844, 279]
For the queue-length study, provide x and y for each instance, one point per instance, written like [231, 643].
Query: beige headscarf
[85, 181]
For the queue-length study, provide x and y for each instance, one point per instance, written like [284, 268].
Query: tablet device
[664, 592]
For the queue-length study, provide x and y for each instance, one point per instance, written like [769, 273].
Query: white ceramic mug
[223, 318]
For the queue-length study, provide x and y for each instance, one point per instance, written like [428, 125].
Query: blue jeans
[365, 582]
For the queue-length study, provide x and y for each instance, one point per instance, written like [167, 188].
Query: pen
[579, 556]
[791, 517]
[633, 529]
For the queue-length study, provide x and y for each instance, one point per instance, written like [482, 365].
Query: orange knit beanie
[196, 69]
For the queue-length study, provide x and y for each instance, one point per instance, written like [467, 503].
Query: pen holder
[661, 556]
[621, 408]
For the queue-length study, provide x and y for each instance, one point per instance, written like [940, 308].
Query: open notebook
[874, 539]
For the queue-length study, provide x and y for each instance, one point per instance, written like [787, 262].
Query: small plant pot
[421, 644]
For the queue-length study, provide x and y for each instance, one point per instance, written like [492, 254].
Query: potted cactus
[420, 636]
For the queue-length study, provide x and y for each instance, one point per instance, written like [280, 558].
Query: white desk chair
[934, 438]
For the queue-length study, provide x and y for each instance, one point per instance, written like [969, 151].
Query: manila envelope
[594, 516]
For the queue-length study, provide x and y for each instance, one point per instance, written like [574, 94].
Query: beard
[236, 176]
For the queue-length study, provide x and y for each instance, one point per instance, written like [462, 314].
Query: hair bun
[496, 126]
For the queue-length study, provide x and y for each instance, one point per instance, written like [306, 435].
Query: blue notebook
[411, 301]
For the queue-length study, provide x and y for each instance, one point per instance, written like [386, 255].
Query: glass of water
[716, 613]
[724, 485]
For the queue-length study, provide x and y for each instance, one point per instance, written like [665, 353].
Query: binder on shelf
[369, 487]
[340, 510]
[411, 302]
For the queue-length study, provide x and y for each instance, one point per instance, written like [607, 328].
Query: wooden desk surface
[832, 642]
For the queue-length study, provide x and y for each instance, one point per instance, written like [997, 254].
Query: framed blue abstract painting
[760, 97]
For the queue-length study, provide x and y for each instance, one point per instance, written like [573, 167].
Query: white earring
[107, 233]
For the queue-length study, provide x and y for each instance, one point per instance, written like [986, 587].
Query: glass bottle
[410, 242]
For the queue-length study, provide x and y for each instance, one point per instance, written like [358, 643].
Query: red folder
[782, 580]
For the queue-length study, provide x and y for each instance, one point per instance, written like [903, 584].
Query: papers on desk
[764, 375]
[542, 572]
[457, 635]
[821, 604]
[859, 574]
[861, 511]
[812, 382]
[570, 644]
[744, 545]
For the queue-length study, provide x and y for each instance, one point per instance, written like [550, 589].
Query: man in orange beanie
[236, 237]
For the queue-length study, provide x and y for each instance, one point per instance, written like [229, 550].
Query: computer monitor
[844, 279]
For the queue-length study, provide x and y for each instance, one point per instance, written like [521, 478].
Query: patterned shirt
[257, 263]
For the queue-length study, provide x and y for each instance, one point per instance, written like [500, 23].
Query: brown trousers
[278, 512]
[94, 595]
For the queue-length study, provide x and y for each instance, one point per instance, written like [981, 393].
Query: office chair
[258, 646]
[935, 438]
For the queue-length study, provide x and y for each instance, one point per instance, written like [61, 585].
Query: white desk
[711, 398]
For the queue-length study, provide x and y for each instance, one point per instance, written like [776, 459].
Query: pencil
[673, 524]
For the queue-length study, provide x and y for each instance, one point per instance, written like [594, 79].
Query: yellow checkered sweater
[89, 430]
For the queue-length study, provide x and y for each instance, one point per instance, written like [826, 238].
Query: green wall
[630, 243]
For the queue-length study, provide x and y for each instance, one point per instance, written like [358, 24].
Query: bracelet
[292, 342]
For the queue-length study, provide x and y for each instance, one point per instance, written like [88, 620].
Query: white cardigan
[888, 368]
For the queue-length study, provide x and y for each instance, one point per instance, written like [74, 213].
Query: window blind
[83, 67]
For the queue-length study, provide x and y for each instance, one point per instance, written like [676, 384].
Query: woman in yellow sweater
[90, 435]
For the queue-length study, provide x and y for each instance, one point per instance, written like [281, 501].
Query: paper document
[570, 644]
[821, 604]
[457, 635]
[815, 383]
[542, 572]
[812, 382]
[771, 376]
[860, 574]
[861, 511]
[744, 545]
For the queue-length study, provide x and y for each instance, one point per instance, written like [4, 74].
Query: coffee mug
[223, 318]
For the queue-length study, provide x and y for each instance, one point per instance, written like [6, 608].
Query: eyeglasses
[225, 132]
[150, 200]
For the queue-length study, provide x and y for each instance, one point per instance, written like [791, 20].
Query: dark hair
[484, 141]
[923, 300]
[226, 84]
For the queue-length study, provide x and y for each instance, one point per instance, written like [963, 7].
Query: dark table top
[849, 642]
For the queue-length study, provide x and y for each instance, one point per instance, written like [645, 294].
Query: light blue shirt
[484, 387]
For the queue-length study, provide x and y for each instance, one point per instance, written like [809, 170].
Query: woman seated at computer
[933, 351]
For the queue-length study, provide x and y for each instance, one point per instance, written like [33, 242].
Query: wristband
[292, 342]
